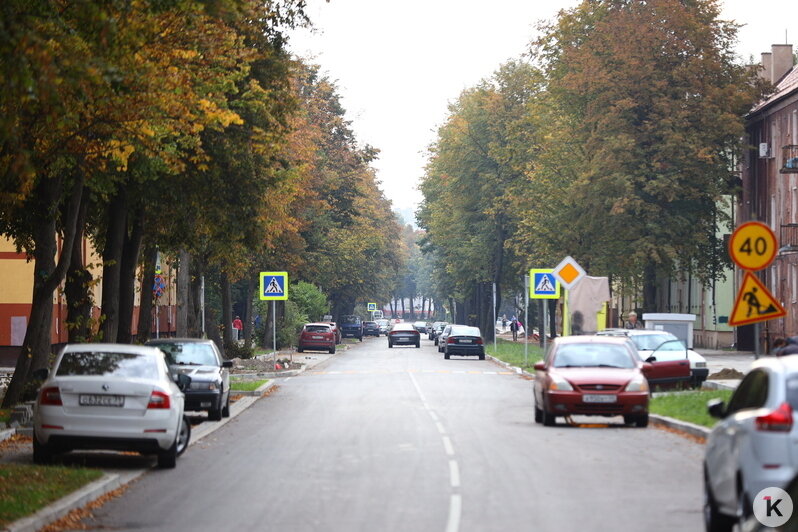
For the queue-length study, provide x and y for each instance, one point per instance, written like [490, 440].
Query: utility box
[680, 325]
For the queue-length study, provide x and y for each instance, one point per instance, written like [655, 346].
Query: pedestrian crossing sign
[273, 286]
[543, 284]
[754, 303]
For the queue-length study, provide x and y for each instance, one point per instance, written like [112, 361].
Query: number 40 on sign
[753, 246]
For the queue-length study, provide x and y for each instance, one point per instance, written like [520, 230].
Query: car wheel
[446, 355]
[714, 521]
[332, 350]
[215, 413]
[168, 459]
[42, 455]
[538, 414]
[549, 420]
[744, 508]
[226, 408]
[361, 338]
[183, 436]
[300, 350]
[641, 421]
[418, 344]
[482, 356]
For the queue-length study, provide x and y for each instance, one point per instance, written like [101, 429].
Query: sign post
[274, 287]
[545, 284]
[494, 319]
[526, 320]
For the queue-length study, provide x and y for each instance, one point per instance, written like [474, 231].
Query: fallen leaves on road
[74, 519]
[681, 433]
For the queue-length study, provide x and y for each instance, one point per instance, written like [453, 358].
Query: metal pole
[756, 341]
[494, 318]
[157, 321]
[545, 324]
[526, 320]
[202, 303]
[274, 334]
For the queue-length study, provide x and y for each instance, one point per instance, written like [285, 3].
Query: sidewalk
[725, 364]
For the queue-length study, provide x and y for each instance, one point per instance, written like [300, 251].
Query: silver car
[754, 445]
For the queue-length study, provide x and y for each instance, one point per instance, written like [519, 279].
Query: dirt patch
[726, 374]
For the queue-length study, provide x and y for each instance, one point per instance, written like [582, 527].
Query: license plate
[466, 341]
[318, 338]
[599, 398]
[101, 400]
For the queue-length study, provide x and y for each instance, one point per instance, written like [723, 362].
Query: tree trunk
[146, 296]
[403, 308]
[649, 288]
[127, 281]
[195, 306]
[252, 280]
[112, 264]
[212, 329]
[183, 286]
[77, 288]
[227, 310]
[47, 276]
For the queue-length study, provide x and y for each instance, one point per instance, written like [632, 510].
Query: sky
[398, 65]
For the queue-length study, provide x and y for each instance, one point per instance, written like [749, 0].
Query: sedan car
[442, 337]
[436, 332]
[420, 326]
[464, 341]
[316, 336]
[434, 329]
[753, 446]
[404, 334]
[669, 358]
[370, 328]
[210, 374]
[591, 375]
[110, 397]
[385, 325]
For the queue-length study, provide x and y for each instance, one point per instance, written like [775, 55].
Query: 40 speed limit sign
[753, 246]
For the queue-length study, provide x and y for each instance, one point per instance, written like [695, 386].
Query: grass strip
[26, 489]
[241, 385]
[688, 406]
[5, 415]
[513, 353]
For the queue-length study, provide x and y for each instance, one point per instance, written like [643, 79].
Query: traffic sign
[543, 284]
[569, 272]
[753, 246]
[158, 286]
[371, 307]
[273, 286]
[754, 303]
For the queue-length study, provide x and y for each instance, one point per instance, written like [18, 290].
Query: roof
[785, 87]
[591, 339]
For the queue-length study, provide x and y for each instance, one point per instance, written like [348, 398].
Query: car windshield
[592, 355]
[103, 364]
[190, 354]
[317, 328]
[649, 342]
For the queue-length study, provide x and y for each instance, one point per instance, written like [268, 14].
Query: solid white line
[447, 444]
[440, 427]
[454, 473]
[455, 508]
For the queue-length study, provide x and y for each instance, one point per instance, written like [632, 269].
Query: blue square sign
[543, 284]
[273, 285]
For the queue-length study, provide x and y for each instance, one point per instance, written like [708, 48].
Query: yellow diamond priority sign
[568, 272]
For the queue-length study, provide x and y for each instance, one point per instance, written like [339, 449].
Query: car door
[669, 365]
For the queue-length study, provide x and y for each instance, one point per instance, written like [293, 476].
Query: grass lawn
[5, 415]
[513, 353]
[26, 489]
[241, 385]
[688, 406]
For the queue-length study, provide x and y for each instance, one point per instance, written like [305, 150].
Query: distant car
[753, 446]
[464, 341]
[210, 374]
[370, 328]
[318, 337]
[442, 337]
[351, 326]
[335, 329]
[434, 328]
[404, 334]
[437, 330]
[649, 340]
[591, 375]
[420, 326]
[110, 397]
[385, 325]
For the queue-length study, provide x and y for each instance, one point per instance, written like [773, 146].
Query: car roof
[112, 348]
[325, 323]
[178, 341]
[591, 339]
[787, 363]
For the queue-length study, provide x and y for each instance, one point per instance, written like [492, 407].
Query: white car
[753, 446]
[110, 396]
[648, 340]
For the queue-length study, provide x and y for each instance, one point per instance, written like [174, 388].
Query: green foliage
[289, 327]
[310, 300]
[235, 350]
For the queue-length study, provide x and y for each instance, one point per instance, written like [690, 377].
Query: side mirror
[716, 408]
[646, 368]
[651, 359]
[227, 364]
[540, 366]
[41, 374]
[183, 381]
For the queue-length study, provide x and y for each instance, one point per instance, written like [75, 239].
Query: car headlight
[700, 364]
[204, 385]
[560, 384]
[638, 384]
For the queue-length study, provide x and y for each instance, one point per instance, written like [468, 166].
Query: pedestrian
[514, 328]
[504, 322]
[631, 322]
[790, 347]
[778, 345]
[238, 327]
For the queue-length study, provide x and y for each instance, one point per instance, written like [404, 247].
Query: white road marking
[447, 444]
[454, 473]
[433, 415]
[455, 509]
[440, 428]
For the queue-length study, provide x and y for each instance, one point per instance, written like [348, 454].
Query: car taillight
[780, 420]
[159, 400]
[478, 341]
[451, 340]
[50, 396]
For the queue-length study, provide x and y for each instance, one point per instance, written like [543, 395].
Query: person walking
[514, 328]
[238, 327]
[631, 322]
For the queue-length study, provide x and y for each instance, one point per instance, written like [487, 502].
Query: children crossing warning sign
[754, 303]
[273, 285]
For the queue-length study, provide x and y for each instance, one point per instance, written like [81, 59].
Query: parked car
[336, 330]
[404, 334]
[752, 447]
[385, 325]
[420, 326]
[591, 375]
[434, 328]
[318, 337]
[351, 326]
[442, 337]
[370, 328]
[669, 358]
[210, 374]
[648, 340]
[110, 397]
[464, 341]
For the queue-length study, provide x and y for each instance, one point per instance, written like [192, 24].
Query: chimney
[781, 61]
[767, 66]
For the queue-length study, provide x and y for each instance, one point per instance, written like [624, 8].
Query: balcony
[788, 238]
[789, 159]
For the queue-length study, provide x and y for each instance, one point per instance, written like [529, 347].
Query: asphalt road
[379, 439]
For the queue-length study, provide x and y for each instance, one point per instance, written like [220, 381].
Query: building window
[789, 159]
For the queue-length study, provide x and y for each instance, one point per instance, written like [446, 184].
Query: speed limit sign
[753, 246]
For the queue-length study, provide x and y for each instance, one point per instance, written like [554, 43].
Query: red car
[594, 376]
[318, 337]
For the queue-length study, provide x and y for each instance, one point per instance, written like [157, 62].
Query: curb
[716, 385]
[683, 426]
[112, 481]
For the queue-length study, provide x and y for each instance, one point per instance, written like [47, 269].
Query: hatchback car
[753, 446]
[591, 375]
[464, 341]
[201, 360]
[385, 325]
[370, 328]
[316, 336]
[109, 397]
[404, 334]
